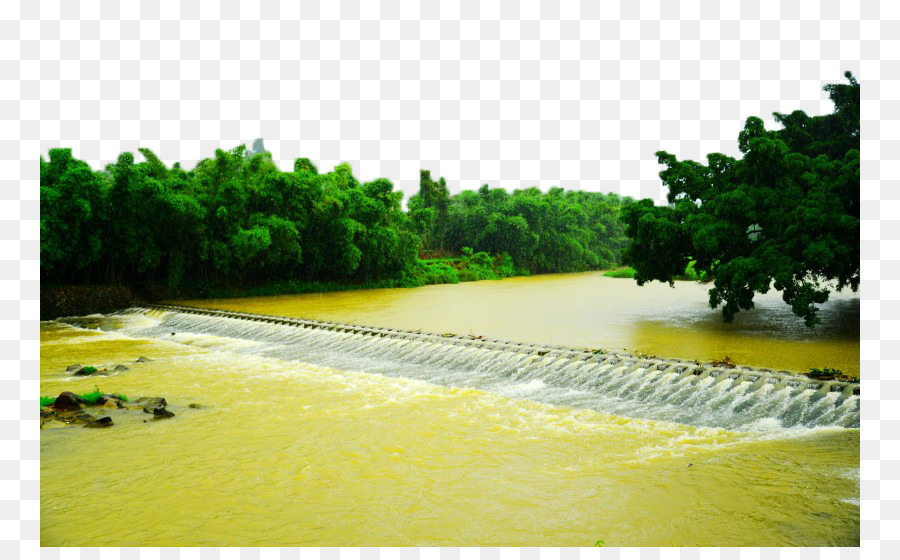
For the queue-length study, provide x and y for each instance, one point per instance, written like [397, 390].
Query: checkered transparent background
[575, 94]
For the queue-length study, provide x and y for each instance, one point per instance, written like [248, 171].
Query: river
[306, 440]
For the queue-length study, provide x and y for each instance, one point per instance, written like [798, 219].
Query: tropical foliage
[784, 216]
[238, 224]
[557, 231]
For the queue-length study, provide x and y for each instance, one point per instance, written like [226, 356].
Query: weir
[613, 382]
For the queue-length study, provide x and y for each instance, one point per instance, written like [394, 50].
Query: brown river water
[320, 439]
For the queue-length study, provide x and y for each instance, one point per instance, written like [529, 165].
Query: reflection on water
[591, 310]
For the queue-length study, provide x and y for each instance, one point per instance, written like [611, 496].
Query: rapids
[325, 438]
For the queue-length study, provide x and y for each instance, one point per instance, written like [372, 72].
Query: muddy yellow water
[288, 453]
[589, 309]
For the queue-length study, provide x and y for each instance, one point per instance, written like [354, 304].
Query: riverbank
[72, 301]
[78, 300]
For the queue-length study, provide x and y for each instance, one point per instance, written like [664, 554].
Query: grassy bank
[690, 274]
[626, 272]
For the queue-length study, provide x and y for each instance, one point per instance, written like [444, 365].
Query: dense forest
[560, 231]
[236, 223]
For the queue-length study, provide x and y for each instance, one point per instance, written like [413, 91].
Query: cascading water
[621, 385]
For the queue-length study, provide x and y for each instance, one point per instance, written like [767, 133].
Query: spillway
[613, 383]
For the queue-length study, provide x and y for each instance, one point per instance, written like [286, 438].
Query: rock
[726, 363]
[78, 417]
[74, 367]
[120, 367]
[152, 402]
[46, 412]
[111, 401]
[104, 422]
[143, 359]
[88, 370]
[47, 415]
[68, 401]
[161, 413]
[195, 405]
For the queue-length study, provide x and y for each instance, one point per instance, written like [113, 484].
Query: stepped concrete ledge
[626, 362]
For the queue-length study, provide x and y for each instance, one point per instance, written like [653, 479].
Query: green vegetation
[88, 370]
[785, 215]
[438, 273]
[237, 225]
[831, 374]
[443, 260]
[468, 268]
[626, 272]
[557, 231]
[233, 223]
[90, 399]
[689, 273]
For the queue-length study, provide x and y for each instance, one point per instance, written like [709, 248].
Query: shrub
[476, 266]
[627, 272]
[507, 267]
[441, 273]
[691, 274]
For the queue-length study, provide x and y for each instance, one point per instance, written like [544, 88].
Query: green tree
[785, 215]
[71, 201]
[435, 195]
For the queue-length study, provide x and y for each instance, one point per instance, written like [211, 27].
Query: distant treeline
[236, 222]
[560, 231]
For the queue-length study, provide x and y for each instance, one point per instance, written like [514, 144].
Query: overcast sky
[573, 95]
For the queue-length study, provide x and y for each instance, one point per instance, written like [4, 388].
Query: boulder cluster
[69, 408]
[79, 370]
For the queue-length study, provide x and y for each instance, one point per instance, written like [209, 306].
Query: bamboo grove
[236, 221]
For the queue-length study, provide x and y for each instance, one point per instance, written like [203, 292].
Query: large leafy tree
[784, 216]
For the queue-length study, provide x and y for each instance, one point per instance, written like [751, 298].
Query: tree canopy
[557, 231]
[233, 220]
[785, 215]
[236, 221]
